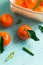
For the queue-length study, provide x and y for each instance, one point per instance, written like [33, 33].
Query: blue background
[20, 57]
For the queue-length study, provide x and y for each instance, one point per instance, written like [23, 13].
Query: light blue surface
[20, 57]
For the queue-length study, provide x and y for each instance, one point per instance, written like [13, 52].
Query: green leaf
[28, 51]
[33, 35]
[40, 28]
[1, 44]
[37, 5]
[10, 56]
[19, 21]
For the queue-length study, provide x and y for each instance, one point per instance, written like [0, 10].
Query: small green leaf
[33, 35]
[28, 51]
[40, 28]
[19, 21]
[10, 56]
[37, 5]
[1, 44]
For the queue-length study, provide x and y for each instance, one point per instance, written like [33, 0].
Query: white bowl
[26, 12]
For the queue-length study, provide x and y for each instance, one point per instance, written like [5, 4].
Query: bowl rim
[25, 9]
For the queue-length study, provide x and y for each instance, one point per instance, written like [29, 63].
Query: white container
[26, 12]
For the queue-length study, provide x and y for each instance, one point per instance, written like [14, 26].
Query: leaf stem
[28, 51]
[10, 56]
